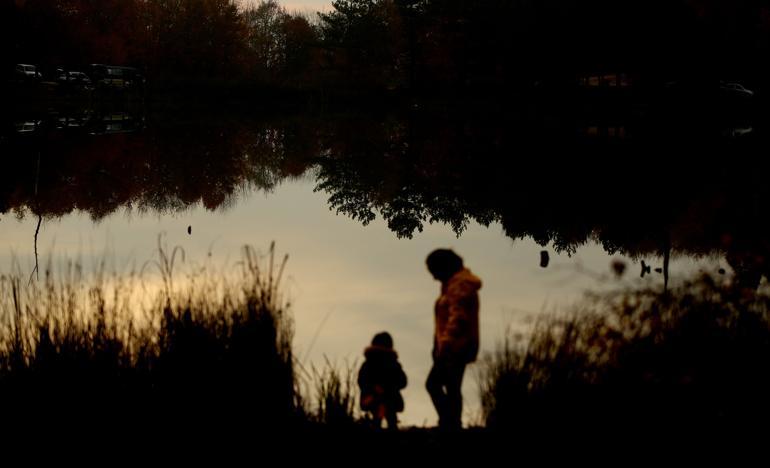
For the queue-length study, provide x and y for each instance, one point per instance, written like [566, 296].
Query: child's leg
[376, 421]
[392, 419]
[378, 414]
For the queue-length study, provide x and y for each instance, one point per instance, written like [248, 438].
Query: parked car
[115, 77]
[27, 126]
[74, 79]
[736, 89]
[78, 78]
[707, 92]
[26, 72]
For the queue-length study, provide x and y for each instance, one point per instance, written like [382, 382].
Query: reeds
[146, 348]
[693, 357]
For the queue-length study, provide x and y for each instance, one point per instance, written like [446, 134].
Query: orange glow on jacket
[457, 318]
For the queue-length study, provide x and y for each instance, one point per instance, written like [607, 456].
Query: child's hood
[380, 352]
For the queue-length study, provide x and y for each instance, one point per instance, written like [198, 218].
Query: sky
[303, 6]
[346, 282]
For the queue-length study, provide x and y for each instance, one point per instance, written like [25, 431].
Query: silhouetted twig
[36, 269]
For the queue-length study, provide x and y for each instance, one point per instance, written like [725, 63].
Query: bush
[691, 358]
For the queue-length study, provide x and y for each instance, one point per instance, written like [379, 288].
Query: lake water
[358, 202]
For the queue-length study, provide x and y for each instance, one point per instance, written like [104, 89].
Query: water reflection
[345, 282]
[632, 177]
[94, 121]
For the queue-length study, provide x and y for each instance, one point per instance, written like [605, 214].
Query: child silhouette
[381, 379]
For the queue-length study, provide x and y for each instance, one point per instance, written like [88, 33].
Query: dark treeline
[396, 44]
[171, 41]
[635, 182]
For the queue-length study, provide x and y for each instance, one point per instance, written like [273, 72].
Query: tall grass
[336, 395]
[693, 358]
[211, 347]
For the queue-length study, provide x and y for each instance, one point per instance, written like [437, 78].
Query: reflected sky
[346, 281]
